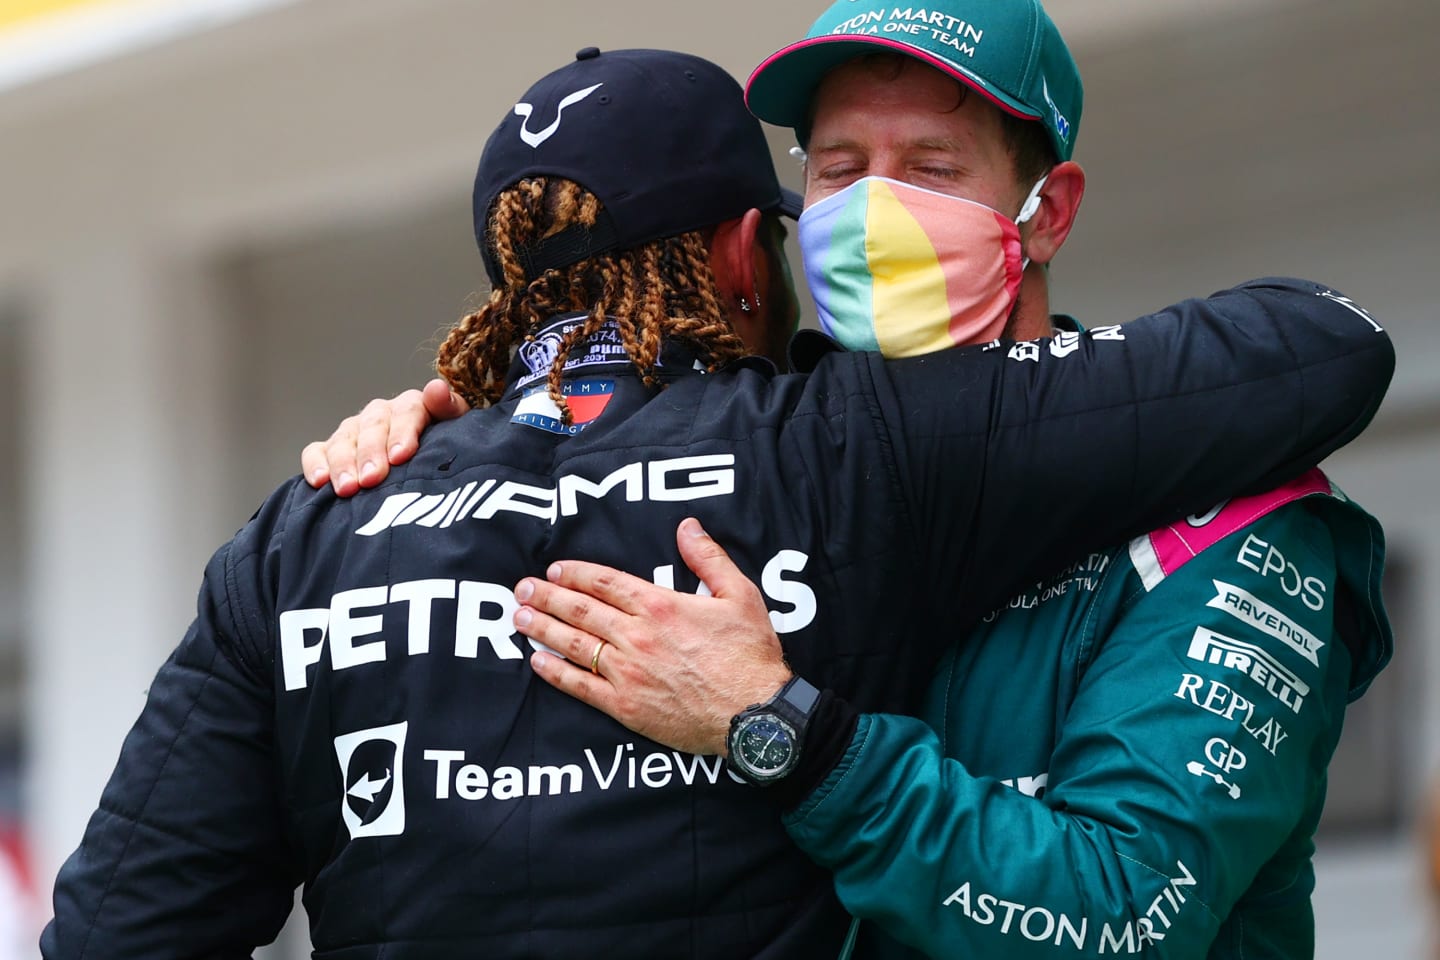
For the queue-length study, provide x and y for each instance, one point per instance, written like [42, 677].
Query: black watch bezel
[789, 710]
[748, 764]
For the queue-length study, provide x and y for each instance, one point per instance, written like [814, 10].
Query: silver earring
[745, 305]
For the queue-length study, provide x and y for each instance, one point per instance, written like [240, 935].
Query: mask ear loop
[1028, 209]
[1031, 206]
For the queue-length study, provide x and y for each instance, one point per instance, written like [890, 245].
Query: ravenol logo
[587, 399]
[372, 770]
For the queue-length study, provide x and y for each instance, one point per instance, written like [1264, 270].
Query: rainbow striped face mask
[905, 271]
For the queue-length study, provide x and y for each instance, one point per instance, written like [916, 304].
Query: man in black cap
[352, 708]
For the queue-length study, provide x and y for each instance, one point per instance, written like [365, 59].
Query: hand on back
[362, 449]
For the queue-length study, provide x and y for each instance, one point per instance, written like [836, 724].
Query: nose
[885, 166]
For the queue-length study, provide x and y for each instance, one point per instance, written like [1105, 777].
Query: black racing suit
[352, 710]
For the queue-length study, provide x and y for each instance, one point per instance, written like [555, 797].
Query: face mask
[906, 271]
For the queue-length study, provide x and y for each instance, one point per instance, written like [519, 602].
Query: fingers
[573, 643]
[363, 448]
[372, 440]
[313, 466]
[613, 588]
[568, 621]
[577, 681]
[709, 561]
[404, 418]
[442, 403]
[339, 456]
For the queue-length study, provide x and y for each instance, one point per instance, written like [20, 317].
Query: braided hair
[663, 289]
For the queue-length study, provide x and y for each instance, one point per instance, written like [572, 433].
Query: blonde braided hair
[663, 289]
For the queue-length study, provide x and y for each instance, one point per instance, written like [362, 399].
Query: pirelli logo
[1210, 647]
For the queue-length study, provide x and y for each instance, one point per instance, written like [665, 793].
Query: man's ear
[733, 253]
[1060, 202]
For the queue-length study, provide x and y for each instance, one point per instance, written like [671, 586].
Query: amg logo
[678, 480]
[1208, 646]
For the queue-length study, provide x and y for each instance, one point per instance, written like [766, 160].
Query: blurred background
[225, 224]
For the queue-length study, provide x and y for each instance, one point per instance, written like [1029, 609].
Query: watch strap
[831, 731]
[795, 702]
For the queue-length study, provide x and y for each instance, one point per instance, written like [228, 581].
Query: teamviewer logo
[372, 769]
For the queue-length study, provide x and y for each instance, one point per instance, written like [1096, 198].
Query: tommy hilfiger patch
[587, 399]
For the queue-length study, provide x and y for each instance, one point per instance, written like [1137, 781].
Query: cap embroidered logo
[524, 111]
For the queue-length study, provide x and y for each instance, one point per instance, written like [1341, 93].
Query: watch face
[766, 745]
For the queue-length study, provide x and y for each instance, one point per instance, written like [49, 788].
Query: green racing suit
[1127, 759]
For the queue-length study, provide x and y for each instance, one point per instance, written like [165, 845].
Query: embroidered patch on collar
[603, 346]
[587, 399]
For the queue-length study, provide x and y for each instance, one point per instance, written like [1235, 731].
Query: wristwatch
[765, 738]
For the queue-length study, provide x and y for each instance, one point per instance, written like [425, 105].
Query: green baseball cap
[1008, 51]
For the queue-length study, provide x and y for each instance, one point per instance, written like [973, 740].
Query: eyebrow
[950, 144]
[942, 144]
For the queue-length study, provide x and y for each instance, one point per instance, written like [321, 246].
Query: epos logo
[372, 771]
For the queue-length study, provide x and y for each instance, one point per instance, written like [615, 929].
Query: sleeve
[1141, 424]
[1194, 750]
[186, 855]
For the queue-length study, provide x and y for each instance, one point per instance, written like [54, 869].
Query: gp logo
[1226, 760]
[372, 769]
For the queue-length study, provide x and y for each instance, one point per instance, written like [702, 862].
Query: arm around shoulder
[1140, 423]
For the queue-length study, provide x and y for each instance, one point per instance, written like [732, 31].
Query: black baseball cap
[663, 139]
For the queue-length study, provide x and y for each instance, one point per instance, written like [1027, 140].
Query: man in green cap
[1129, 757]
